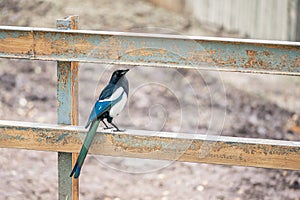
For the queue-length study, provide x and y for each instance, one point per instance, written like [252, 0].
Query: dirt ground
[258, 106]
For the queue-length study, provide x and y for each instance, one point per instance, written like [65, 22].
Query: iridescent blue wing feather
[101, 107]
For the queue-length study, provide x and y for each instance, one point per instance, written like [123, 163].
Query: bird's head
[117, 75]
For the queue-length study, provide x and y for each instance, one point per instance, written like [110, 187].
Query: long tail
[84, 149]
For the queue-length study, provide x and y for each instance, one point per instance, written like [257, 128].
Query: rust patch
[134, 144]
[266, 53]
[63, 72]
[211, 51]
[251, 53]
[252, 61]
[19, 45]
[47, 44]
[145, 52]
[74, 92]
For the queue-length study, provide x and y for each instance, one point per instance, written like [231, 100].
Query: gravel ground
[258, 106]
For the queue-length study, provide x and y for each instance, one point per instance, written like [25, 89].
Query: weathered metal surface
[67, 110]
[155, 145]
[67, 92]
[256, 56]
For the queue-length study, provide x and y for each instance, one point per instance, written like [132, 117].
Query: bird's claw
[108, 128]
[119, 130]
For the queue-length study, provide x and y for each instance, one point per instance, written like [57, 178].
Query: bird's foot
[105, 128]
[119, 130]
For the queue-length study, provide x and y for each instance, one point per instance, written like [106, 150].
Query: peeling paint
[67, 93]
[61, 137]
[155, 50]
[220, 150]
[11, 137]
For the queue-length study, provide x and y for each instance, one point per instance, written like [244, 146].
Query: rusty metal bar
[237, 55]
[154, 145]
[67, 97]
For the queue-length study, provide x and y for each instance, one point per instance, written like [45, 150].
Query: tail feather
[77, 167]
[87, 124]
[84, 149]
[76, 171]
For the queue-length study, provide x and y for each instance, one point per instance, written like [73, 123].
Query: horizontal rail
[239, 55]
[155, 145]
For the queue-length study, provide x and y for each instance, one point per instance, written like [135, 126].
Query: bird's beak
[125, 71]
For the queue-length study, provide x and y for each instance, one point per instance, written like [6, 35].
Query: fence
[68, 47]
[269, 19]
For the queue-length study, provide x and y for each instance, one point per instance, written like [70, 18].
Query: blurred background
[245, 105]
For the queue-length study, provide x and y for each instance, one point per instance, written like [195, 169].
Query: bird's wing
[101, 106]
[107, 91]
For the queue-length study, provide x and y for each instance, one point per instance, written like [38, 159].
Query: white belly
[118, 107]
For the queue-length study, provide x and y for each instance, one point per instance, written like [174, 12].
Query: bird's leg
[109, 120]
[117, 129]
[106, 127]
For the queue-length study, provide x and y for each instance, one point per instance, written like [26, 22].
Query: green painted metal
[64, 97]
[64, 181]
[67, 97]
[239, 55]
[64, 117]
[154, 145]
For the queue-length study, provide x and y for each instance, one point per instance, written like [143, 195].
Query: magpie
[109, 104]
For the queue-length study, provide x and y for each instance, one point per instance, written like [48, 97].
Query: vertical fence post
[67, 100]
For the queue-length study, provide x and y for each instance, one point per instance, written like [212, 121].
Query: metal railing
[71, 46]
